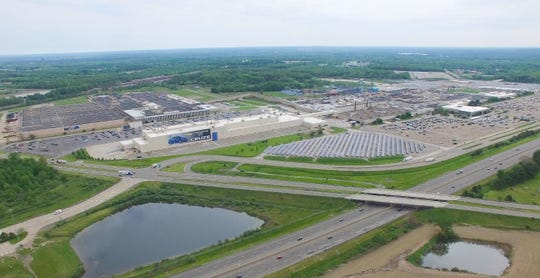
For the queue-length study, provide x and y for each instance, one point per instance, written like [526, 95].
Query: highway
[271, 256]
[263, 259]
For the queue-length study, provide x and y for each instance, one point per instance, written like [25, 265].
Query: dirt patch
[386, 258]
[389, 261]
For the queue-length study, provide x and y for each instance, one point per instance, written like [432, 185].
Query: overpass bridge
[404, 198]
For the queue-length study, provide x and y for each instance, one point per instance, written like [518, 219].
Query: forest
[251, 69]
[30, 185]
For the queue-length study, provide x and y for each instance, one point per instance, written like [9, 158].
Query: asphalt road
[452, 182]
[268, 257]
[263, 259]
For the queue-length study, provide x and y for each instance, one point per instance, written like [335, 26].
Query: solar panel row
[353, 144]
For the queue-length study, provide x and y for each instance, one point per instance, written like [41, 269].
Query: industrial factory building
[164, 137]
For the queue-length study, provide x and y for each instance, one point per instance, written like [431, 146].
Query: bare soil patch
[389, 261]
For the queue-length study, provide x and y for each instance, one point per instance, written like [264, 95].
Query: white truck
[125, 173]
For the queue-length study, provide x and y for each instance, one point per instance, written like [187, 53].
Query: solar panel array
[351, 144]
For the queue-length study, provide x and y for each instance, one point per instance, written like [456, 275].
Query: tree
[475, 102]
[378, 121]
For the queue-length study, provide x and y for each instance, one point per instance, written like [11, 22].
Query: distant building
[292, 92]
[467, 111]
[11, 117]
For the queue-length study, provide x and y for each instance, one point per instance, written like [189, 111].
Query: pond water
[473, 257]
[148, 233]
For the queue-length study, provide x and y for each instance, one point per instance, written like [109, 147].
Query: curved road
[262, 259]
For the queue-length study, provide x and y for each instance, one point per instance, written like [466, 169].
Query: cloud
[30, 26]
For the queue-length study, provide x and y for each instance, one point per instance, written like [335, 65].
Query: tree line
[251, 69]
[523, 171]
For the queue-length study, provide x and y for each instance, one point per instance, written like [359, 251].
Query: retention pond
[148, 233]
[468, 256]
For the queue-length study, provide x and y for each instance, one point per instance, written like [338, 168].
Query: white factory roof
[499, 94]
[313, 120]
[396, 200]
[135, 114]
[465, 108]
[187, 127]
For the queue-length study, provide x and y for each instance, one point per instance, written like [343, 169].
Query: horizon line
[260, 47]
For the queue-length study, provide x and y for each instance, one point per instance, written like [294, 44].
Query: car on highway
[329, 237]
[279, 257]
[58, 211]
[299, 239]
[459, 172]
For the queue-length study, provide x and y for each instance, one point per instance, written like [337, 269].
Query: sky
[59, 26]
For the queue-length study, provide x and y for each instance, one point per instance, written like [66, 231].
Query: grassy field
[282, 213]
[336, 129]
[255, 148]
[303, 159]
[524, 193]
[133, 163]
[56, 259]
[73, 189]
[13, 268]
[179, 167]
[70, 101]
[393, 179]
[249, 104]
[458, 217]
[242, 106]
[280, 95]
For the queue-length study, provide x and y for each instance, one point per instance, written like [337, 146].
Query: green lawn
[242, 106]
[396, 179]
[459, 217]
[524, 193]
[255, 148]
[393, 179]
[133, 163]
[280, 95]
[249, 103]
[56, 259]
[178, 167]
[336, 129]
[303, 159]
[12, 268]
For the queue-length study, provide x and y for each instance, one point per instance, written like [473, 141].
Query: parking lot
[59, 146]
